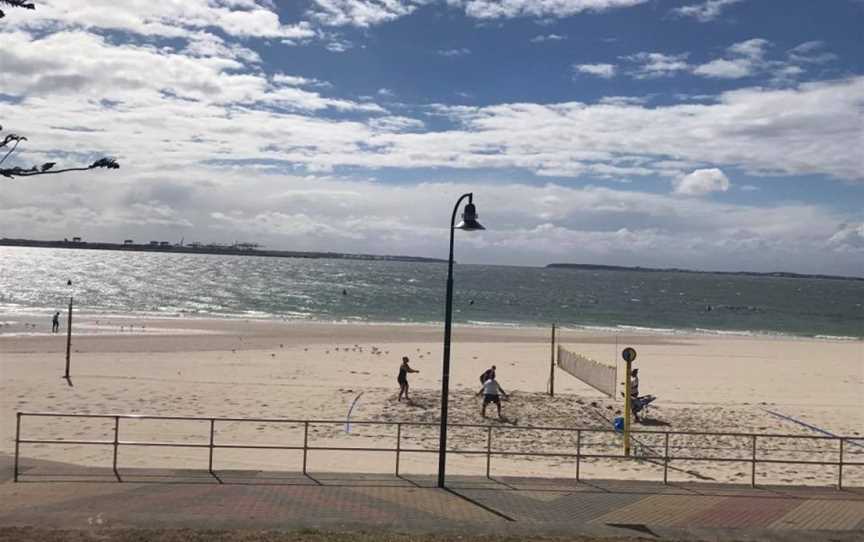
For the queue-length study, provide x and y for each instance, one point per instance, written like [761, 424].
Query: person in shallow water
[404, 369]
[55, 323]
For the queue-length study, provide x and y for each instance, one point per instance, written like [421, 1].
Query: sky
[703, 134]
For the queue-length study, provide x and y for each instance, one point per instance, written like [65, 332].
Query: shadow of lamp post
[468, 223]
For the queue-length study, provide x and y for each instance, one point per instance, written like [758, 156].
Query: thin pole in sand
[469, 223]
[17, 443]
[552, 365]
[68, 334]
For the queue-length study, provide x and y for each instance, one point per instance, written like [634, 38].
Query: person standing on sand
[491, 391]
[487, 374]
[634, 393]
[404, 369]
[55, 323]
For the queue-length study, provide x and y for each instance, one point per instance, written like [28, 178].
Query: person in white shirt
[634, 394]
[491, 392]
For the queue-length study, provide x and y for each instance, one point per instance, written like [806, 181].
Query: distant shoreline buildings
[196, 247]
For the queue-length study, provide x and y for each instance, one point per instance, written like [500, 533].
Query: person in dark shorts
[487, 374]
[492, 393]
[402, 379]
[55, 323]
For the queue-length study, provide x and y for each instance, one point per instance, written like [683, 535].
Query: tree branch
[11, 173]
[16, 4]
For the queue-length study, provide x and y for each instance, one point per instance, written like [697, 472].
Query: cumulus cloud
[811, 52]
[623, 100]
[246, 18]
[336, 45]
[72, 62]
[547, 37]
[605, 71]
[745, 59]
[360, 13]
[653, 65]
[706, 11]
[701, 182]
[462, 51]
[367, 13]
[848, 238]
[496, 9]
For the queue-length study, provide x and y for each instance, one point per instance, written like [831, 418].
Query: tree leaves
[16, 4]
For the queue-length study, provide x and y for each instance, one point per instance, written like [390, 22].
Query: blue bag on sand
[618, 424]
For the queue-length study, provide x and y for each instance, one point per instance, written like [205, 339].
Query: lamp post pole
[629, 355]
[469, 222]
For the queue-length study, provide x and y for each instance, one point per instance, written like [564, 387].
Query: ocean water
[33, 281]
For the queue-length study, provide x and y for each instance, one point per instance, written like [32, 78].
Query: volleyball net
[598, 375]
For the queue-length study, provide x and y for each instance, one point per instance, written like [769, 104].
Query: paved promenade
[57, 495]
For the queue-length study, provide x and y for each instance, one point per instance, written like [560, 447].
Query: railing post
[840, 469]
[212, 438]
[488, 449]
[17, 443]
[398, 445]
[305, 443]
[116, 444]
[666, 461]
[578, 452]
[753, 465]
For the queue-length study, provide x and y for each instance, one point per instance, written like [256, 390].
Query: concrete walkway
[57, 495]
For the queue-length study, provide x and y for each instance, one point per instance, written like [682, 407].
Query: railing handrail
[489, 452]
[436, 424]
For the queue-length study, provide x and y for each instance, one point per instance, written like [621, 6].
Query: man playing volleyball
[491, 391]
[402, 379]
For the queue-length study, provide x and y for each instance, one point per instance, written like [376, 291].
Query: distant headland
[776, 274]
[236, 249]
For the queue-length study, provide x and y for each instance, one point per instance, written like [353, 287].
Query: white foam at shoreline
[259, 316]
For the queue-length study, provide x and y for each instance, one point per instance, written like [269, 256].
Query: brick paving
[55, 495]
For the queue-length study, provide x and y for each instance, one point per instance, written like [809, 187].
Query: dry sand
[309, 371]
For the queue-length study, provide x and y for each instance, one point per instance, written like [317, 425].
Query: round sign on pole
[629, 354]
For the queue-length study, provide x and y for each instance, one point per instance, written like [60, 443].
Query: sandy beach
[316, 371]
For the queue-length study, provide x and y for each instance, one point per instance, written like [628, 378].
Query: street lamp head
[469, 219]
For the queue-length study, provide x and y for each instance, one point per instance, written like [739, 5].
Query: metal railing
[579, 455]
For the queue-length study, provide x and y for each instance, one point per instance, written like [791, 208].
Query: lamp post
[468, 223]
[68, 331]
[629, 355]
